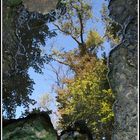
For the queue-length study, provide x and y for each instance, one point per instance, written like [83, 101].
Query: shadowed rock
[78, 131]
[36, 126]
[123, 70]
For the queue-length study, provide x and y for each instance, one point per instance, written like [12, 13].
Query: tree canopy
[24, 35]
[85, 96]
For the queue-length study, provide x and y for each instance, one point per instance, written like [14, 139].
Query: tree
[44, 102]
[24, 33]
[87, 95]
[73, 23]
[112, 31]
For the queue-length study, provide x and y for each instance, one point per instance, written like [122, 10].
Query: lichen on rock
[123, 70]
[36, 126]
[42, 6]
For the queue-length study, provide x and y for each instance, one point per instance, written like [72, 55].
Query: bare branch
[61, 62]
[56, 72]
[66, 32]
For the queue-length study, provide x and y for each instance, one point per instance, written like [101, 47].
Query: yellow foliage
[94, 39]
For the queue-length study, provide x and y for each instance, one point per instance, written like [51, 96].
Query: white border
[138, 67]
[1, 69]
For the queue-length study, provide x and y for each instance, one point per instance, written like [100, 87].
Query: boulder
[36, 126]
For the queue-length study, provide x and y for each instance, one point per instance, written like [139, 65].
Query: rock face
[123, 70]
[36, 126]
[75, 135]
[42, 6]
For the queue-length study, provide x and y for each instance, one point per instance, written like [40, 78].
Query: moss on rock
[36, 126]
[13, 3]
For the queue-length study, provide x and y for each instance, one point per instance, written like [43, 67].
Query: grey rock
[36, 126]
[122, 74]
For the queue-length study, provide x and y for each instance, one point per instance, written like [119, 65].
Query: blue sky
[45, 81]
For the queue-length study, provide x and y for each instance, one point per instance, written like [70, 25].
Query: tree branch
[67, 33]
[79, 14]
[61, 62]
[81, 28]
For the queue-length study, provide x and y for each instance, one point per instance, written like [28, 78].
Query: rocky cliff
[36, 126]
[42, 6]
[123, 70]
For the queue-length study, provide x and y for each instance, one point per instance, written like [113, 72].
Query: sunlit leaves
[87, 97]
[112, 28]
[94, 40]
[74, 21]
